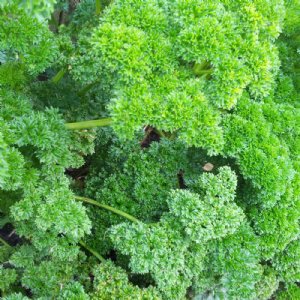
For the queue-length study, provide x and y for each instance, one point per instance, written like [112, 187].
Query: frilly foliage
[172, 64]
[212, 182]
[26, 40]
[111, 282]
[40, 9]
[166, 249]
[44, 212]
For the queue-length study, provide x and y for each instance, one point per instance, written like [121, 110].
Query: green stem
[204, 72]
[107, 207]
[98, 7]
[89, 124]
[203, 68]
[4, 243]
[84, 90]
[59, 75]
[95, 253]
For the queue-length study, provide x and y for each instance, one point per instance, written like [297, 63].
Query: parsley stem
[95, 253]
[89, 124]
[200, 72]
[203, 68]
[4, 243]
[107, 207]
[98, 7]
[59, 75]
[85, 89]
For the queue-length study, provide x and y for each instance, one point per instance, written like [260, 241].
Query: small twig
[13, 232]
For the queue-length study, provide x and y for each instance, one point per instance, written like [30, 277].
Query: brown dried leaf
[208, 167]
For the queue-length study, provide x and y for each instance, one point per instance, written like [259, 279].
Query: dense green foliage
[194, 189]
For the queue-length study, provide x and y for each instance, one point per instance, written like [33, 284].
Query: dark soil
[151, 136]
[180, 178]
[8, 234]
